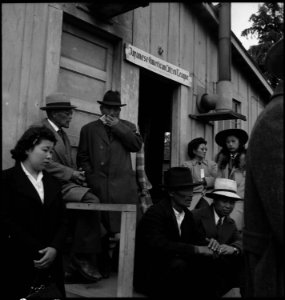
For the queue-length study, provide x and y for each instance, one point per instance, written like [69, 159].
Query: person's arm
[127, 133]
[83, 156]
[213, 170]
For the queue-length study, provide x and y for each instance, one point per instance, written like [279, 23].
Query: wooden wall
[31, 34]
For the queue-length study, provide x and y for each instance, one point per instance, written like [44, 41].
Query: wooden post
[126, 255]
[127, 241]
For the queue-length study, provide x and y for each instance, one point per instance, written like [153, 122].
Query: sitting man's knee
[90, 198]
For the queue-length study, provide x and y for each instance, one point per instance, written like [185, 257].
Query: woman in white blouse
[33, 223]
[202, 170]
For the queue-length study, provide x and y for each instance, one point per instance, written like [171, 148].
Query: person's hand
[226, 250]
[78, 177]
[49, 254]
[111, 121]
[204, 250]
[213, 244]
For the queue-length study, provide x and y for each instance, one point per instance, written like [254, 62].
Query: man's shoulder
[91, 124]
[128, 123]
[201, 212]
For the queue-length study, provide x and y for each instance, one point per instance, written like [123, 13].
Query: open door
[155, 110]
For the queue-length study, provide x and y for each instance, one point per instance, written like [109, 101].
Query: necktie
[61, 133]
[219, 223]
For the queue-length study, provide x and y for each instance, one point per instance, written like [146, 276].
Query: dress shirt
[217, 218]
[37, 183]
[179, 218]
[55, 127]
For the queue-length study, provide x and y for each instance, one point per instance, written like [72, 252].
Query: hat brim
[239, 133]
[183, 185]
[225, 194]
[111, 103]
[57, 107]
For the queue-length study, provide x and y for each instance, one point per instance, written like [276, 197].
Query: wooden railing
[127, 241]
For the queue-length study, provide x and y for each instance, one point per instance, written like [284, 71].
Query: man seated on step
[223, 235]
[170, 253]
[85, 225]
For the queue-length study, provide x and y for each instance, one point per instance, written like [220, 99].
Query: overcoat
[228, 233]
[263, 236]
[107, 163]
[62, 165]
[158, 241]
[28, 225]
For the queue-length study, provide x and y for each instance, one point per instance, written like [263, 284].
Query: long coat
[107, 162]
[158, 241]
[228, 233]
[62, 165]
[28, 225]
[263, 236]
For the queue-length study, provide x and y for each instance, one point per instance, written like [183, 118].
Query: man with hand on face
[222, 234]
[86, 224]
[171, 254]
[104, 153]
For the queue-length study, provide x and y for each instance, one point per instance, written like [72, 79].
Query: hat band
[224, 190]
[59, 104]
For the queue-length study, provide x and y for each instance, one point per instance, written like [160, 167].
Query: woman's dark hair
[194, 144]
[223, 157]
[31, 137]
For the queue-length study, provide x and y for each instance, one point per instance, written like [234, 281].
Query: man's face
[110, 110]
[223, 206]
[62, 118]
[181, 198]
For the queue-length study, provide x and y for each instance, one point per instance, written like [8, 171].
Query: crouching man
[170, 252]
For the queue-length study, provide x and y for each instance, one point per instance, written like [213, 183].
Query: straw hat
[57, 101]
[224, 187]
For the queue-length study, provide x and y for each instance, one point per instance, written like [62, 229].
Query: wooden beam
[102, 206]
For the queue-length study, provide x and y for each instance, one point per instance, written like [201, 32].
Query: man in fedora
[170, 251]
[85, 224]
[104, 153]
[221, 231]
[263, 235]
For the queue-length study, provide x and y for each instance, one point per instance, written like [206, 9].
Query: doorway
[154, 120]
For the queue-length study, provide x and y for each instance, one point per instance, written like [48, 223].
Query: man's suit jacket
[28, 225]
[228, 233]
[158, 241]
[263, 235]
[107, 162]
[62, 166]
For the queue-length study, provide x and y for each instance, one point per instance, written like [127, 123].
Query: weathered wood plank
[141, 29]
[102, 206]
[126, 254]
[159, 28]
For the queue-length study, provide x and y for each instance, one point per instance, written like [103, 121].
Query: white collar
[40, 175]
[55, 127]
[217, 217]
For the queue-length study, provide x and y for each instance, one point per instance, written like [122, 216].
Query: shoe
[86, 269]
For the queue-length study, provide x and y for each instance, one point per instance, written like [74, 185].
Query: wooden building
[161, 57]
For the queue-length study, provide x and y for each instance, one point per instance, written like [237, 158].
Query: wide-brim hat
[57, 101]
[225, 188]
[179, 177]
[111, 98]
[239, 133]
[274, 59]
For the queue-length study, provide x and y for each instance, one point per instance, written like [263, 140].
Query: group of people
[199, 240]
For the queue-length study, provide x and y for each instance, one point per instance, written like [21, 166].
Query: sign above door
[157, 65]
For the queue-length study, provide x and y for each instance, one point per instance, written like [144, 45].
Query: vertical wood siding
[31, 49]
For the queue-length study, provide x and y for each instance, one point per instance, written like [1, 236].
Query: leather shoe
[86, 269]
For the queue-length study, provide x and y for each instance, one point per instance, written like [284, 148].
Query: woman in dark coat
[33, 222]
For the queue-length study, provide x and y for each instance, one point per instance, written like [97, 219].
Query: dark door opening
[154, 119]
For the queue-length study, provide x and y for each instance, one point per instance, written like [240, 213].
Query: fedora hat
[224, 187]
[57, 101]
[274, 59]
[239, 133]
[112, 98]
[179, 177]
